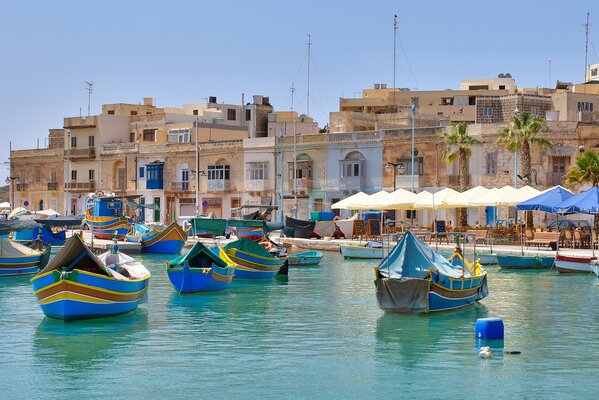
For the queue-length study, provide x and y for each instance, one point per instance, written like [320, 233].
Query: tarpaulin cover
[13, 225]
[324, 228]
[197, 252]
[214, 226]
[301, 229]
[248, 246]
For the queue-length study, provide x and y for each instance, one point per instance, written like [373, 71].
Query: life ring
[266, 244]
[99, 193]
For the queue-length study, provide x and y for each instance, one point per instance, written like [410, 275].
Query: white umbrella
[500, 197]
[528, 192]
[462, 200]
[343, 204]
[401, 199]
[5, 205]
[432, 201]
[49, 212]
[376, 201]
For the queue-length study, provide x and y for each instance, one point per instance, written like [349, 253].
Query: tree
[459, 145]
[519, 136]
[584, 170]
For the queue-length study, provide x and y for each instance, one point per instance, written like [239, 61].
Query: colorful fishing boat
[413, 278]
[18, 259]
[50, 230]
[107, 216]
[201, 270]
[158, 239]
[254, 261]
[370, 250]
[77, 285]
[305, 258]
[573, 264]
[524, 262]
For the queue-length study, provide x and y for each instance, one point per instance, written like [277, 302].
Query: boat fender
[99, 193]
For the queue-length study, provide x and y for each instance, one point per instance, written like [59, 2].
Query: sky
[181, 52]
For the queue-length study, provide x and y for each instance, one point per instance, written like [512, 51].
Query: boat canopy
[412, 258]
[15, 225]
[193, 256]
[248, 246]
[76, 255]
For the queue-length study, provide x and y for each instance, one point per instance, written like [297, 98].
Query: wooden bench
[543, 238]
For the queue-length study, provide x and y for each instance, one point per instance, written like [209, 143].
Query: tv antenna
[90, 89]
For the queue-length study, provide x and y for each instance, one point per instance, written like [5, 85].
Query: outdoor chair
[568, 239]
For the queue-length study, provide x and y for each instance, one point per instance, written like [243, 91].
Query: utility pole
[294, 156]
[197, 172]
[586, 47]
[90, 89]
[282, 205]
[394, 60]
[308, 95]
[68, 173]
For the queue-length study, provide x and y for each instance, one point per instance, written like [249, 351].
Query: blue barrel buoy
[489, 328]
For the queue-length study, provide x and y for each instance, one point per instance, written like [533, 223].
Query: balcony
[351, 183]
[76, 152]
[300, 184]
[405, 182]
[255, 185]
[22, 187]
[180, 186]
[81, 186]
[453, 180]
[218, 185]
[52, 185]
[118, 149]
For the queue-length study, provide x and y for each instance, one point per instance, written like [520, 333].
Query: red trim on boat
[582, 260]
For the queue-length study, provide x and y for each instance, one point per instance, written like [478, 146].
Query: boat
[573, 264]
[201, 270]
[524, 262]
[483, 259]
[208, 227]
[78, 285]
[251, 229]
[305, 258]
[107, 216]
[370, 250]
[298, 228]
[254, 261]
[413, 278]
[18, 259]
[50, 230]
[158, 239]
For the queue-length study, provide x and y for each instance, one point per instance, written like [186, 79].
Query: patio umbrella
[401, 199]
[432, 201]
[528, 192]
[5, 205]
[462, 200]
[343, 204]
[547, 201]
[506, 196]
[585, 203]
[375, 201]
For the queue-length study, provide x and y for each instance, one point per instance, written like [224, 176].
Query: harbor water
[318, 334]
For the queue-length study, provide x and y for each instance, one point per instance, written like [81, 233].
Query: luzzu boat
[106, 216]
[254, 261]
[18, 259]
[370, 250]
[169, 240]
[574, 264]
[77, 285]
[524, 262]
[413, 278]
[305, 258]
[201, 270]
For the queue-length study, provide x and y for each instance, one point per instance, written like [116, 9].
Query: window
[90, 141]
[149, 135]
[488, 112]
[132, 137]
[594, 72]
[141, 172]
[179, 135]
[73, 141]
[218, 172]
[256, 171]
[535, 110]
[350, 170]
[38, 174]
[185, 179]
[501, 87]
[491, 166]
[133, 112]
[74, 175]
[110, 112]
[91, 174]
[231, 114]
[585, 106]
[410, 214]
[248, 115]
[407, 162]
[235, 202]
[318, 205]
[53, 176]
[154, 179]
[195, 112]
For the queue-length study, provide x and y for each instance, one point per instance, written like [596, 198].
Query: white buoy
[485, 352]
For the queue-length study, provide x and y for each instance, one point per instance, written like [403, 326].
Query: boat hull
[192, 280]
[361, 252]
[524, 262]
[250, 266]
[572, 264]
[168, 241]
[105, 227]
[306, 258]
[23, 265]
[80, 295]
[488, 259]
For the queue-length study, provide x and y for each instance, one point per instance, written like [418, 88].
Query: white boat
[370, 250]
[573, 264]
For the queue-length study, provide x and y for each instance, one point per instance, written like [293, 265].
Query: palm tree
[459, 145]
[519, 136]
[584, 170]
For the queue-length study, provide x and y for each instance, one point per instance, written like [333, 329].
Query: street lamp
[10, 181]
[393, 167]
[516, 114]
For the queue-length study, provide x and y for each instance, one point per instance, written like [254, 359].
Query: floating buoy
[489, 328]
[485, 352]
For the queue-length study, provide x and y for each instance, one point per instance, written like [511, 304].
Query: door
[185, 179]
[121, 180]
[157, 212]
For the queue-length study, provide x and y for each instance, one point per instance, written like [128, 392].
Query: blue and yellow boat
[18, 259]
[305, 258]
[166, 240]
[254, 261]
[413, 278]
[107, 216]
[201, 270]
[77, 285]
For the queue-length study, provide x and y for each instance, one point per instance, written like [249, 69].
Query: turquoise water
[320, 334]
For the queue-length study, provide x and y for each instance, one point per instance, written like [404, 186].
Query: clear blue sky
[181, 52]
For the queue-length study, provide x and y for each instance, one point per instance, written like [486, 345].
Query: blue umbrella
[585, 203]
[548, 201]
